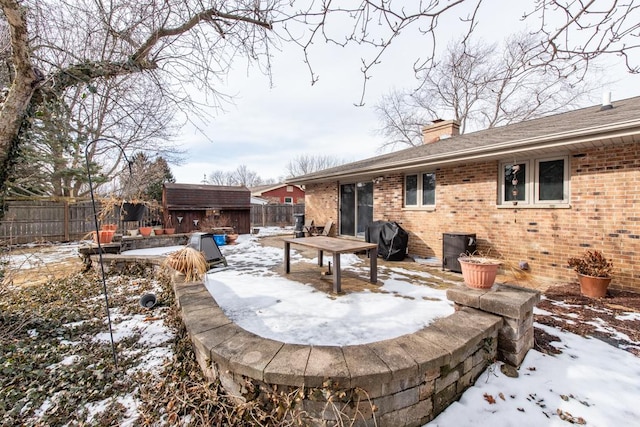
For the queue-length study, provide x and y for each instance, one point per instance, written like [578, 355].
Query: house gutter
[502, 149]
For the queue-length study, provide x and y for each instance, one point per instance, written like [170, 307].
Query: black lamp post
[95, 219]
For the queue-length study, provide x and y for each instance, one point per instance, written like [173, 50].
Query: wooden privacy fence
[55, 221]
[274, 215]
[63, 221]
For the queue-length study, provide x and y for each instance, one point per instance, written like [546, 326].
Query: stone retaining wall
[405, 381]
[138, 242]
[515, 306]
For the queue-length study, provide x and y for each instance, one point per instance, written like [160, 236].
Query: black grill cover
[391, 238]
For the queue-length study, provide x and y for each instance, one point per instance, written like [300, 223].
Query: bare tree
[143, 177]
[219, 177]
[242, 175]
[304, 164]
[128, 114]
[177, 45]
[482, 86]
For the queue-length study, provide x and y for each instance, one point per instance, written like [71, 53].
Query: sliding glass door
[356, 208]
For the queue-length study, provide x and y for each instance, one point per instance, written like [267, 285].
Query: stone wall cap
[288, 365]
[504, 300]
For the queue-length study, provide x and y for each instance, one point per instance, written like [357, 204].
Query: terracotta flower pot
[158, 231]
[478, 274]
[231, 238]
[109, 227]
[593, 287]
[169, 230]
[105, 236]
[145, 231]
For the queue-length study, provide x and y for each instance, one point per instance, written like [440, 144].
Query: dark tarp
[392, 239]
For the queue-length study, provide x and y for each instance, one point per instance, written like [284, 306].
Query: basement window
[535, 182]
[420, 190]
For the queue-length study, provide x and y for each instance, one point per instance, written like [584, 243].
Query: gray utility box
[455, 244]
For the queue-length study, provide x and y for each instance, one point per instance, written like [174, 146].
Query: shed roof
[204, 197]
[583, 128]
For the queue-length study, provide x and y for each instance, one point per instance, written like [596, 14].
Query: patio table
[336, 246]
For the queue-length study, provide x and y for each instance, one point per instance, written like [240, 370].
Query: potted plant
[231, 238]
[594, 273]
[168, 226]
[188, 261]
[145, 230]
[105, 236]
[478, 271]
[109, 227]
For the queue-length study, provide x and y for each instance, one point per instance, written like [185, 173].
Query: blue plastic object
[221, 239]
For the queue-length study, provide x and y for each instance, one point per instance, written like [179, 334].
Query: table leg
[287, 248]
[320, 255]
[336, 273]
[373, 265]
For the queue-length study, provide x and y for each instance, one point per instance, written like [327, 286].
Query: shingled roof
[583, 128]
[203, 197]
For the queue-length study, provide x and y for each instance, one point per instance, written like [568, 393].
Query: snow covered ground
[590, 382]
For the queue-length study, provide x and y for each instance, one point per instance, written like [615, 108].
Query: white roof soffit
[583, 138]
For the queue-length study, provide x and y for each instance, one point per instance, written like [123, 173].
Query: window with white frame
[420, 190]
[288, 200]
[543, 181]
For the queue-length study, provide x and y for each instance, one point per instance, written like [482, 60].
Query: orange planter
[593, 287]
[106, 236]
[145, 231]
[169, 230]
[109, 227]
[158, 231]
[478, 275]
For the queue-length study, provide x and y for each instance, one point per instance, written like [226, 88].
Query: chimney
[440, 129]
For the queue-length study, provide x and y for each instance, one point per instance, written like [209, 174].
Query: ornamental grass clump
[189, 262]
[591, 263]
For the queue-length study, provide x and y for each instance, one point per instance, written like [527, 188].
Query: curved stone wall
[402, 381]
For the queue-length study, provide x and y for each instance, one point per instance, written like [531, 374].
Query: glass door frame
[356, 228]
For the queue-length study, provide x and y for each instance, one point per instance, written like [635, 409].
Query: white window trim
[419, 195]
[565, 178]
[532, 184]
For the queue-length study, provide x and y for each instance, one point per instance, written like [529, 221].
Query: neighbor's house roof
[204, 197]
[261, 189]
[573, 130]
[258, 201]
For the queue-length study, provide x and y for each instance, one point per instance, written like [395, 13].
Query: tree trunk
[16, 105]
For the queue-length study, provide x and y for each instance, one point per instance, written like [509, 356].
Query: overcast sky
[266, 127]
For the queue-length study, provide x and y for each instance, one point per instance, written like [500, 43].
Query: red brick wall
[278, 195]
[604, 215]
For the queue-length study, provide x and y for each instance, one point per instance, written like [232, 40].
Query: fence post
[66, 220]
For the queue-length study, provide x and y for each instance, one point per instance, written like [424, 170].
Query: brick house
[538, 191]
[288, 194]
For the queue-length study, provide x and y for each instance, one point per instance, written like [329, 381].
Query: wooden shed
[199, 207]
